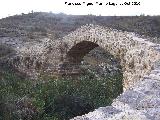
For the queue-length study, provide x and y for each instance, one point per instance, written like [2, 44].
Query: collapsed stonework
[141, 102]
[138, 57]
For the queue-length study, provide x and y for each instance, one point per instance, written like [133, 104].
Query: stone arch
[136, 56]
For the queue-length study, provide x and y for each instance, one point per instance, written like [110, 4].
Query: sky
[13, 7]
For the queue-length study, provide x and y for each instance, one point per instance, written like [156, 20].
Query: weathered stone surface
[100, 114]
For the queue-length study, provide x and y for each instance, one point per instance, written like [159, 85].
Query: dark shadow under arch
[77, 52]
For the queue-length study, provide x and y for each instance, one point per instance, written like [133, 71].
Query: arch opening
[77, 56]
[77, 52]
[101, 73]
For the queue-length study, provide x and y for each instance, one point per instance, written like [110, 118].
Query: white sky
[12, 7]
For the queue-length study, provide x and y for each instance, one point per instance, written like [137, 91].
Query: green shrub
[55, 99]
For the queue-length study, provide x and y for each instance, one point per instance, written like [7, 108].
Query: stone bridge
[139, 58]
